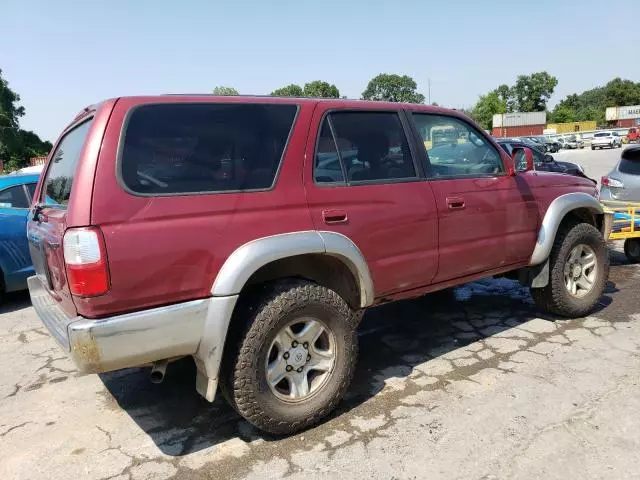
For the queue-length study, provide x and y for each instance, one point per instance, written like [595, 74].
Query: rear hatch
[47, 221]
[624, 181]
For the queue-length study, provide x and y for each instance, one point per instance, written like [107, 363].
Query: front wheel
[579, 269]
[632, 249]
[296, 358]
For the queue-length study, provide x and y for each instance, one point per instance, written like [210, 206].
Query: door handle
[455, 203]
[334, 216]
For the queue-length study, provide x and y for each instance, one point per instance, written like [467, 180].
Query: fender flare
[556, 212]
[251, 256]
[237, 270]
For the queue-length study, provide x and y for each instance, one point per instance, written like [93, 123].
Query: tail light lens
[611, 182]
[85, 258]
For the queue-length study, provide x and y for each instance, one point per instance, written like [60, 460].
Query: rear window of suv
[173, 149]
[630, 162]
[62, 166]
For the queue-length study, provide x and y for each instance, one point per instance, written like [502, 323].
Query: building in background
[518, 124]
[623, 117]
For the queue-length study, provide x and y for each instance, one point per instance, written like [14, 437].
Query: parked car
[571, 142]
[537, 142]
[633, 135]
[169, 226]
[622, 184]
[15, 263]
[552, 145]
[544, 161]
[606, 139]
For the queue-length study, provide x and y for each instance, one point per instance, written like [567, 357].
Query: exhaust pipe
[158, 371]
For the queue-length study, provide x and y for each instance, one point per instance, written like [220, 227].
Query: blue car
[16, 192]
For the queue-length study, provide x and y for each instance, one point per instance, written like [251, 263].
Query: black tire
[244, 369]
[593, 148]
[555, 297]
[632, 249]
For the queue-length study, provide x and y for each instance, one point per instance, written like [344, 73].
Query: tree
[393, 88]
[292, 90]
[320, 89]
[17, 146]
[487, 106]
[221, 90]
[532, 92]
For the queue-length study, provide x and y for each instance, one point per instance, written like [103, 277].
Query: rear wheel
[296, 358]
[579, 268]
[632, 249]
[593, 148]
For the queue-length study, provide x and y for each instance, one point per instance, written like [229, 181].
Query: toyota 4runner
[251, 233]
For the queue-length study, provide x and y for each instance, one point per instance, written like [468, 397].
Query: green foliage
[320, 89]
[592, 104]
[532, 92]
[292, 90]
[393, 88]
[486, 107]
[17, 146]
[222, 90]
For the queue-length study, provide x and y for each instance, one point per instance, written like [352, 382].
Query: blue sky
[65, 54]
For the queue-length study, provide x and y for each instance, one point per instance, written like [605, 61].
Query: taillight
[85, 257]
[611, 182]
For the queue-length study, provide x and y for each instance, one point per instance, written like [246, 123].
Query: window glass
[13, 197]
[208, 147]
[31, 187]
[327, 168]
[455, 148]
[373, 146]
[62, 167]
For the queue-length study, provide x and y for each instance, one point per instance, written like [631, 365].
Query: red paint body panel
[164, 250]
[522, 131]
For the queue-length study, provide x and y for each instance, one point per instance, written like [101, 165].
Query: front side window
[13, 197]
[172, 149]
[369, 146]
[455, 148]
[62, 166]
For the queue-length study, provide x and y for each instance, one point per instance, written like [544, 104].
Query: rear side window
[173, 149]
[366, 147]
[62, 166]
[13, 197]
[630, 162]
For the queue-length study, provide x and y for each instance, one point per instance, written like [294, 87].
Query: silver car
[622, 184]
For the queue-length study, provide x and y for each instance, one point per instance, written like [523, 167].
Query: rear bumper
[126, 340]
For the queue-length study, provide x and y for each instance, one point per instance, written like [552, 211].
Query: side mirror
[523, 159]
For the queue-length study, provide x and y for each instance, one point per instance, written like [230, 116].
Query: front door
[14, 250]
[362, 181]
[487, 219]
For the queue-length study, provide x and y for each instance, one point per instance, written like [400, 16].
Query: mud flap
[536, 276]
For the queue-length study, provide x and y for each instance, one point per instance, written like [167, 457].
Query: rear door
[362, 181]
[48, 221]
[487, 219]
[14, 252]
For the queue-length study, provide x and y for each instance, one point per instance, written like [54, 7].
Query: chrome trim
[251, 256]
[552, 218]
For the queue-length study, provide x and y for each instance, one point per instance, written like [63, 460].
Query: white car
[606, 139]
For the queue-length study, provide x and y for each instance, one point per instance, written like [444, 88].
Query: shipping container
[571, 127]
[520, 131]
[622, 113]
[519, 119]
[624, 123]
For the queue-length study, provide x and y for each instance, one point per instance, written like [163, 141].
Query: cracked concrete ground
[477, 384]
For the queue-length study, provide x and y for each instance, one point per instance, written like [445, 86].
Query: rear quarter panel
[164, 250]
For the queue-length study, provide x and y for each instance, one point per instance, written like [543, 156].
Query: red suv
[250, 233]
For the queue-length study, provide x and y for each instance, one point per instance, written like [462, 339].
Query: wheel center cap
[297, 356]
[577, 271]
